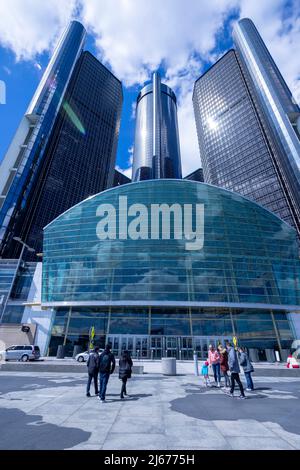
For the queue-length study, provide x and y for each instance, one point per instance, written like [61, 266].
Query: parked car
[21, 353]
[83, 356]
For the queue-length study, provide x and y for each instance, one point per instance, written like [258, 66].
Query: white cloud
[134, 37]
[30, 27]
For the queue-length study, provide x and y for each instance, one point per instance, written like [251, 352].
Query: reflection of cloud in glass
[74, 118]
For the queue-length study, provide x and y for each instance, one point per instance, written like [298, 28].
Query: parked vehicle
[21, 353]
[83, 356]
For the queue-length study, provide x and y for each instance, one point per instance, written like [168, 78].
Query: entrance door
[186, 348]
[171, 346]
[156, 347]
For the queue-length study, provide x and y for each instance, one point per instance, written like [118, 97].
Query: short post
[151, 354]
[138, 354]
[196, 363]
[166, 353]
[180, 354]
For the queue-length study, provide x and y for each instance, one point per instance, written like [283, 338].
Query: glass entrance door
[186, 348]
[171, 346]
[156, 347]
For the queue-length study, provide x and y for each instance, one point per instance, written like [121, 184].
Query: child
[204, 372]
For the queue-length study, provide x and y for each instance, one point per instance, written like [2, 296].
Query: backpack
[105, 363]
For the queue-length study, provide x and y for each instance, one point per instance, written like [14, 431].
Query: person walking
[247, 367]
[234, 368]
[224, 365]
[214, 361]
[93, 371]
[125, 370]
[107, 364]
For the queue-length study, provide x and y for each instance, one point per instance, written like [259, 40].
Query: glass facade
[80, 157]
[244, 277]
[40, 115]
[234, 149]
[276, 106]
[156, 146]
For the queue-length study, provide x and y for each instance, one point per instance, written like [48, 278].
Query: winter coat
[107, 362]
[233, 362]
[213, 357]
[224, 361]
[93, 363]
[245, 362]
[125, 368]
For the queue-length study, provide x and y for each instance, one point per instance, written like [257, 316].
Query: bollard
[180, 355]
[77, 349]
[168, 365]
[151, 354]
[60, 352]
[196, 363]
[138, 354]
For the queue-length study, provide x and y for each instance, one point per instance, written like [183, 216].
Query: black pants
[123, 389]
[93, 375]
[236, 378]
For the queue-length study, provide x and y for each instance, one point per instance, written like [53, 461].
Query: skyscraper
[237, 150]
[21, 164]
[277, 109]
[156, 147]
[79, 157]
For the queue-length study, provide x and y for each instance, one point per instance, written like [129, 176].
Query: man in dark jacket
[234, 368]
[93, 371]
[107, 366]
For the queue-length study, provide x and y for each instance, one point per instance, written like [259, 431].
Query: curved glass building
[156, 146]
[163, 267]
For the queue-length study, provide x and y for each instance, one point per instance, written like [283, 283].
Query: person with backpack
[234, 368]
[125, 370]
[93, 371]
[107, 364]
[247, 367]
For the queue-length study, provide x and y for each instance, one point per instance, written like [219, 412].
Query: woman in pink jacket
[214, 360]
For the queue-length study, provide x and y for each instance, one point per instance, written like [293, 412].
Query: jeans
[226, 378]
[236, 378]
[249, 380]
[92, 376]
[217, 372]
[123, 389]
[104, 376]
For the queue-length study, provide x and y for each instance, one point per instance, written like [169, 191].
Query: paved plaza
[51, 411]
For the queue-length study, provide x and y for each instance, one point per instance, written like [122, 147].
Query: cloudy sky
[134, 37]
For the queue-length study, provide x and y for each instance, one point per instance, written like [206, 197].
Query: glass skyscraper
[237, 150]
[21, 165]
[156, 147]
[79, 158]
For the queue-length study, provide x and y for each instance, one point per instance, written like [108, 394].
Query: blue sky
[133, 38]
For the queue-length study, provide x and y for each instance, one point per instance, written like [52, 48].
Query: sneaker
[249, 389]
[88, 394]
[218, 385]
[242, 397]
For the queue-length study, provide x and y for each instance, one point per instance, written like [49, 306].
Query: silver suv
[22, 353]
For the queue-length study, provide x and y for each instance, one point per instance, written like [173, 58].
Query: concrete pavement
[50, 411]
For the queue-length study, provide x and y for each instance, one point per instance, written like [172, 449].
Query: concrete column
[270, 353]
[253, 354]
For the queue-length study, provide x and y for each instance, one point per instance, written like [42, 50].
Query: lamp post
[24, 245]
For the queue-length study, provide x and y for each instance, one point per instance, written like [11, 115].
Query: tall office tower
[235, 150]
[277, 109]
[80, 156]
[156, 147]
[21, 165]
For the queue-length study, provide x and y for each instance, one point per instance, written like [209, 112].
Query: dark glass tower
[21, 166]
[80, 157]
[235, 149]
[278, 111]
[156, 147]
